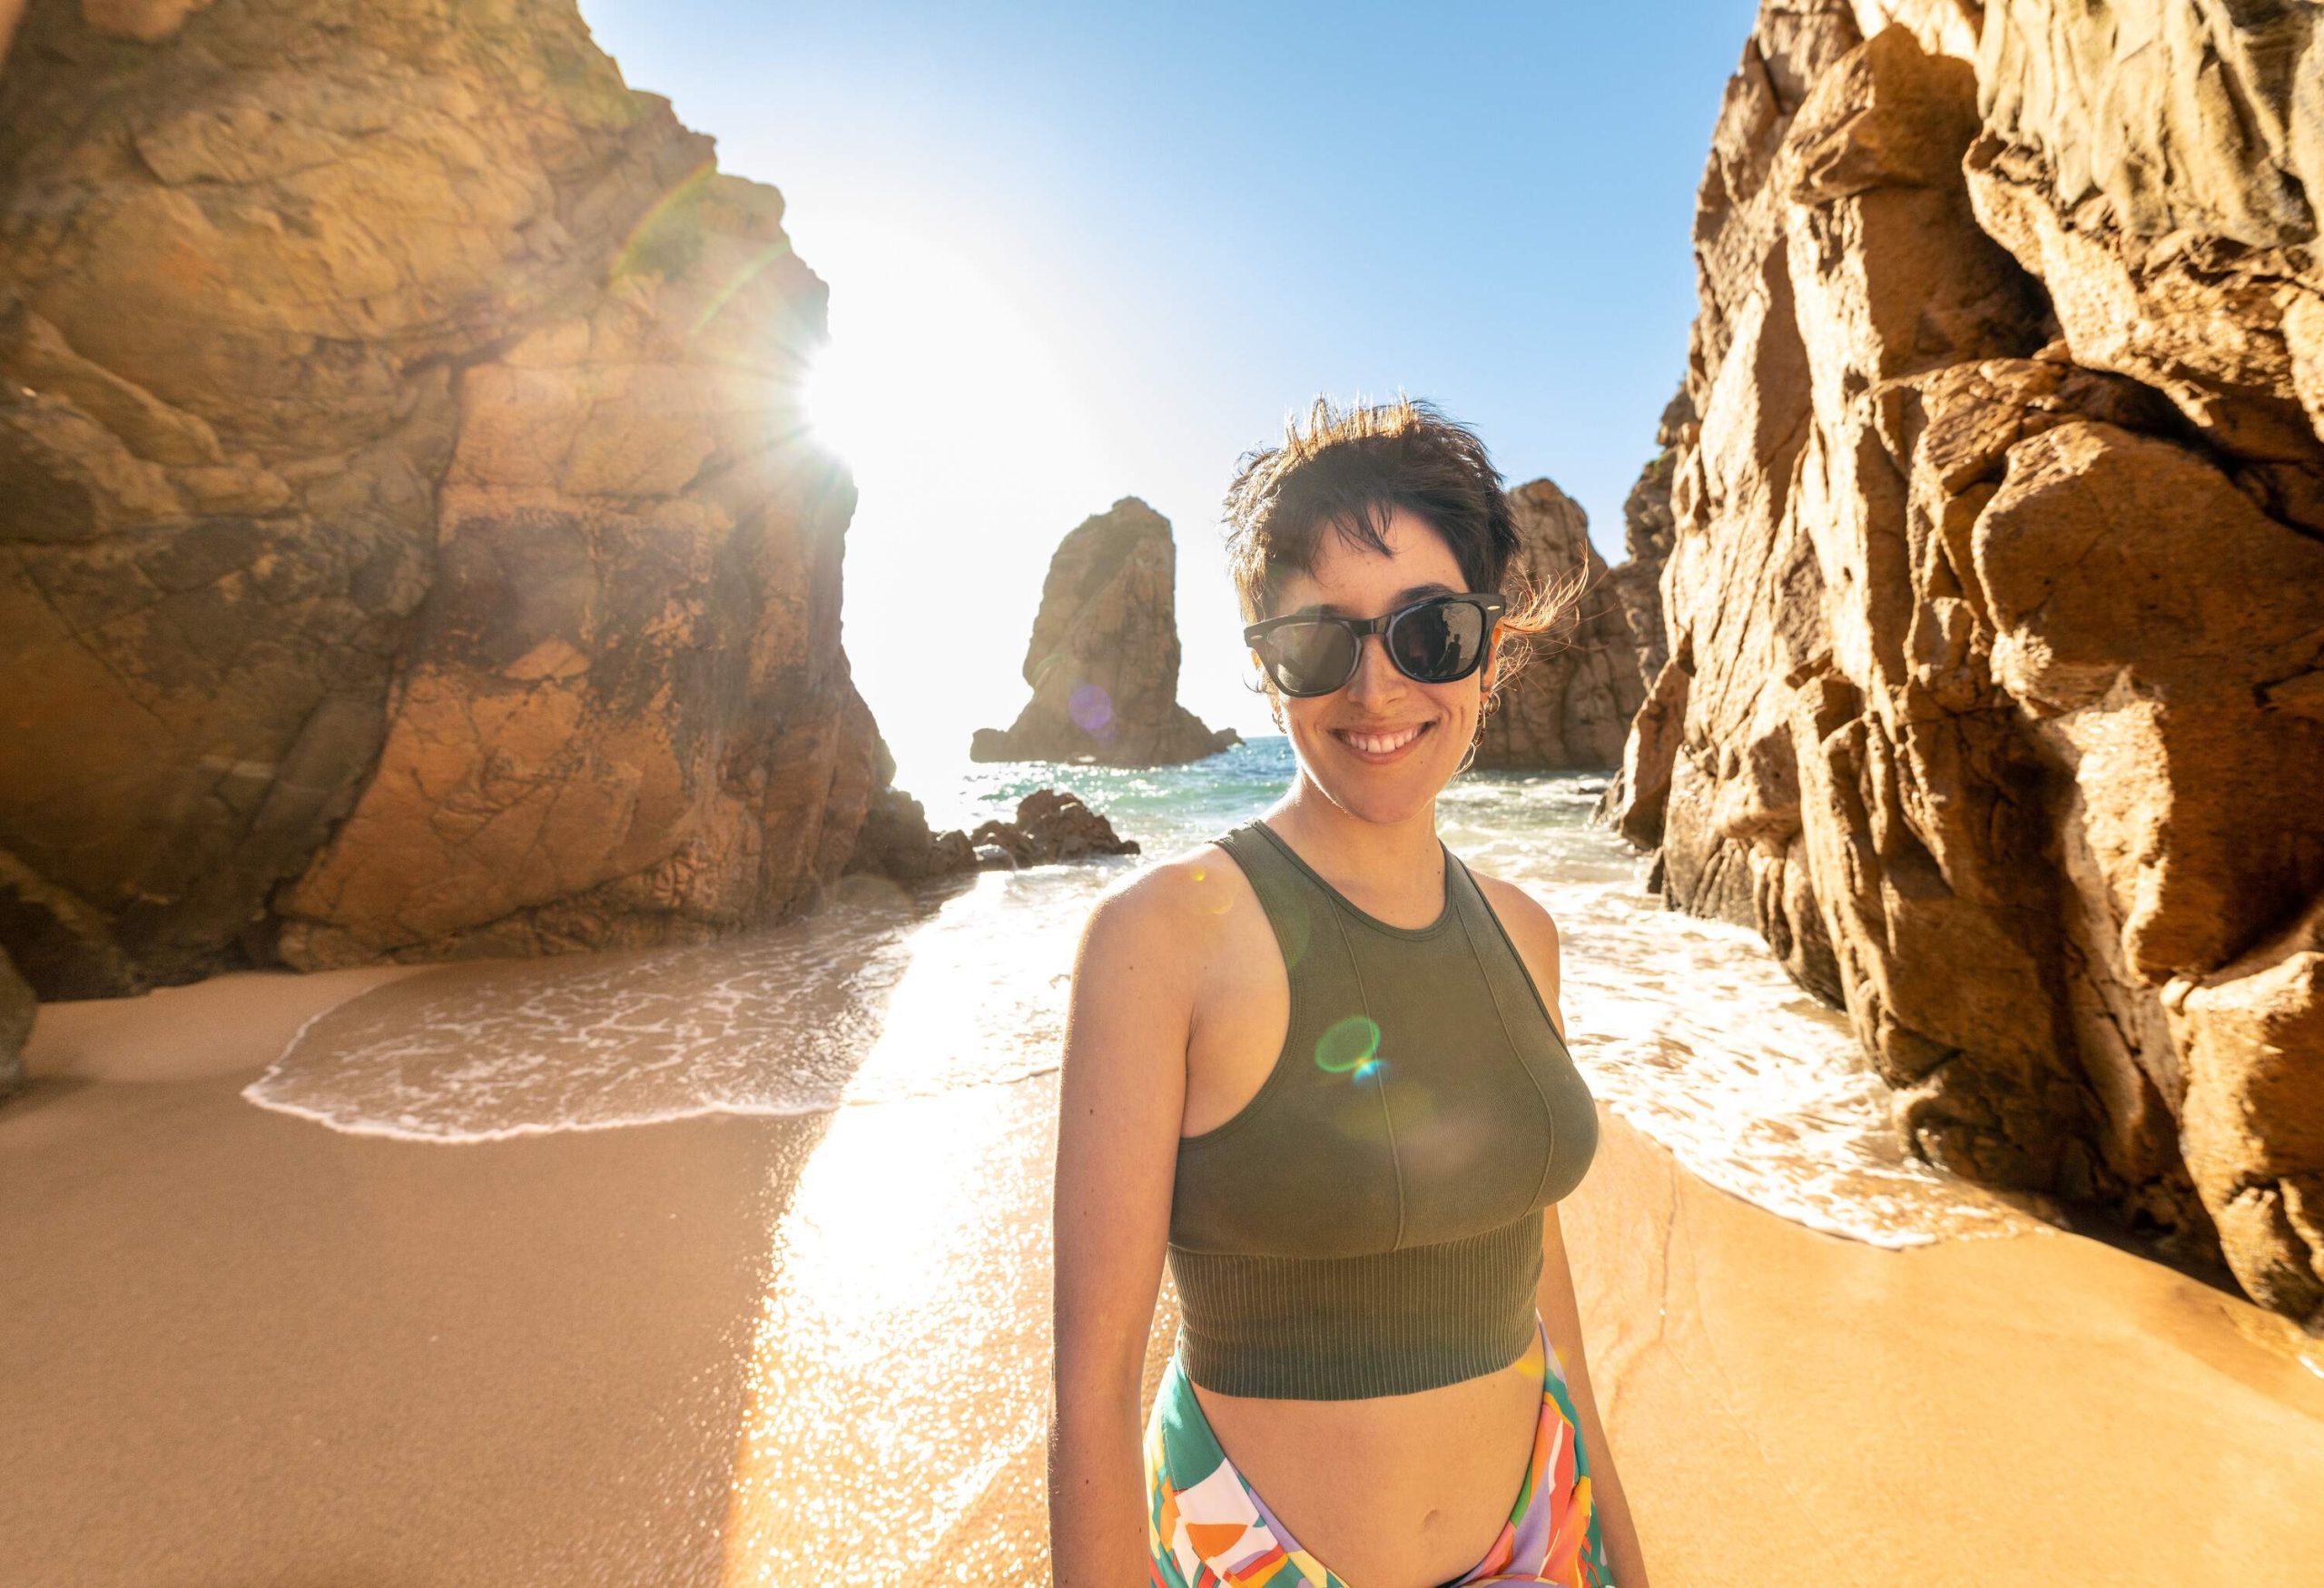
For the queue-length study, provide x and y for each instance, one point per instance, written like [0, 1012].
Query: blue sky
[1080, 253]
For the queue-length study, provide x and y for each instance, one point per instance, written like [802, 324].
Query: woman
[1316, 1064]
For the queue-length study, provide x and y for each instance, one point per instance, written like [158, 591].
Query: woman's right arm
[1121, 1100]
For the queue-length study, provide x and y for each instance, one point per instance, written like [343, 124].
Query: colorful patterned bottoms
[1207, 1528]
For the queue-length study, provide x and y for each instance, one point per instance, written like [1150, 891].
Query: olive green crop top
[1370, 1222]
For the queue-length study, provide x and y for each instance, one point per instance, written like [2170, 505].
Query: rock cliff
[412, 552]
[17, 1011]
[1104, 658]
[1569, 704]
[1648, 530]
[1996, 591]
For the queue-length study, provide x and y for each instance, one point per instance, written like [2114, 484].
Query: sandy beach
[719, 533]
[245, 1349]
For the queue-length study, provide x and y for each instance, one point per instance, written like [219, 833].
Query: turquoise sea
[1686, 1028]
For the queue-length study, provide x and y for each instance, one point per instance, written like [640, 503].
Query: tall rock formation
[1648, 531]
[1996, 599]
[1569, 703]
[1104, 658]
[411, 551]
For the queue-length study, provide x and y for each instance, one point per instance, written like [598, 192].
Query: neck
[1335, 840]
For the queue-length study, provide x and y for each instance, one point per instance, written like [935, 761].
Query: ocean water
[1684, 1027]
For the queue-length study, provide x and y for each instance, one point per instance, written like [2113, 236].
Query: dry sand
[1792, 1408]
[237, 1347]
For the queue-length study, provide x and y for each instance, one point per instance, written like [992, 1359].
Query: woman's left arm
[1562, 1317]
[1536, 937]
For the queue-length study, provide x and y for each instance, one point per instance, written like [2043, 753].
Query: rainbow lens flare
[1348, 1045]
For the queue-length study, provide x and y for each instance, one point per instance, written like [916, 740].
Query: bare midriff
[1440, 1469]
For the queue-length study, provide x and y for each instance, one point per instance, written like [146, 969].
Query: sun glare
[975, 445]
[932, 363]
[839, 396]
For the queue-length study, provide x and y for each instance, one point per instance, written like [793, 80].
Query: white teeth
[1380, 745]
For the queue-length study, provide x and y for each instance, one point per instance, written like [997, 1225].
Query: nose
[1377, 677]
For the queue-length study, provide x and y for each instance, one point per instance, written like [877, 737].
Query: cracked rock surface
[408, 549]
[1994, 589]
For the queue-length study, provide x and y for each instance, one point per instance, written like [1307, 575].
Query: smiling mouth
[1384, 746]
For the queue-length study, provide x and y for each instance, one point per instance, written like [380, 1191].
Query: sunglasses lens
[1310, 658]
[1438, 642]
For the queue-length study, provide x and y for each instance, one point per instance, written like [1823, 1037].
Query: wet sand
[242, 1348]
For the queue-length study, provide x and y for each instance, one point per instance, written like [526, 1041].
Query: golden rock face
[415, 550]
[1995, 592]
[1569, 703]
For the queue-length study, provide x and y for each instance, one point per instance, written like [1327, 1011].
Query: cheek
[1461, 704]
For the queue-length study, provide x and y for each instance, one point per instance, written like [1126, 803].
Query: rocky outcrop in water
[1104, 658]
[897, 842]
[1996, 597]
[413, 553]
[1569, 704]
[1051, 826]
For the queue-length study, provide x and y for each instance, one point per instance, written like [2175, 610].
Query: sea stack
[412, 552]
[1104, 658]
[1995, 695]
[1569, 705]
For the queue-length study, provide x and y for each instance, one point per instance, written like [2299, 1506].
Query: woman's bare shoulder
[1180, 908]
[1184, 890]
[1525, 918]
[1147, 967]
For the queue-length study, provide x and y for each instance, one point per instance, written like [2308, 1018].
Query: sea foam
[1686, 1028]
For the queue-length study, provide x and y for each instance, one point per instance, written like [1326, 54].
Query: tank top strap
[1295, 906]
[1467, 899]
[1496, 954]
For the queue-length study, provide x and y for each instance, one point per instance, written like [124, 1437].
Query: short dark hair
[1347, 470]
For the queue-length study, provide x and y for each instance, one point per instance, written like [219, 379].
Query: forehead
[1351, 577]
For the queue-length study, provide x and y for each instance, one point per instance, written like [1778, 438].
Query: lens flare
[1211, 897]
[1348, 1045]
[1091, 709]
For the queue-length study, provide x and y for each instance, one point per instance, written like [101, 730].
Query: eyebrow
[1404, 597]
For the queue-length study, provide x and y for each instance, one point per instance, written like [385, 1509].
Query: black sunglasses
[1439, 640]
